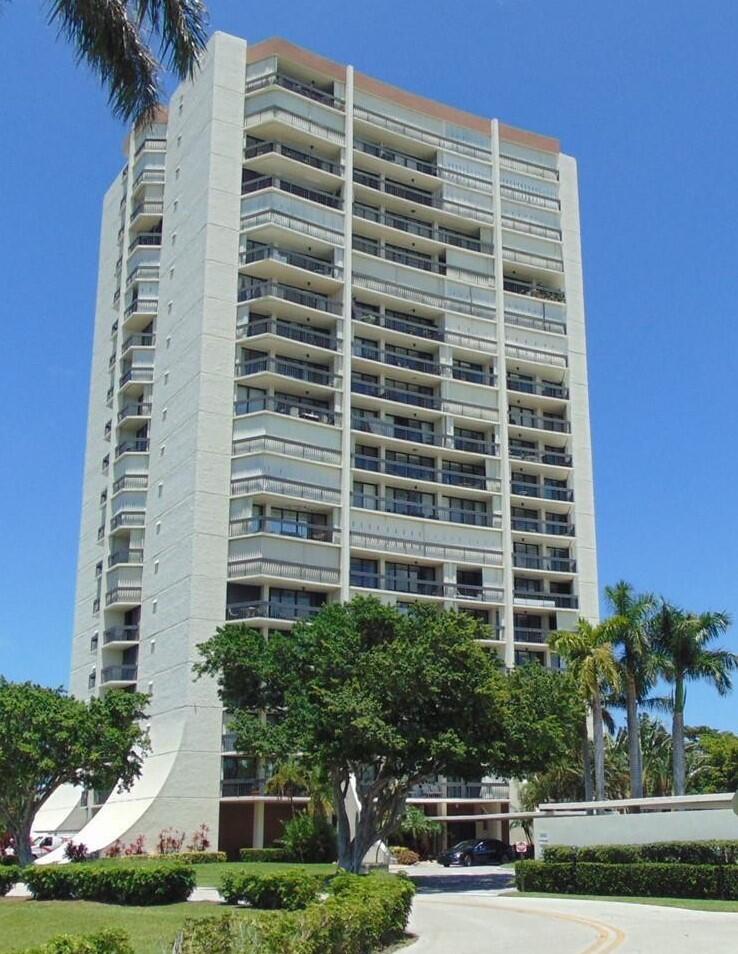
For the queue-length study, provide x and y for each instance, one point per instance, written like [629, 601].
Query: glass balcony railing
[271, 609]
[413, 471]
[402, 432]
[123, 594]
[560, 600]
[550, 527]
[263, 253]
[128, 518]
[307, 412]
[138, 446]
[540, 423]
[385, 356]
[291, 369]
[536, 561]
[131, 482]
[534, 289]
[554, 458]
[301, 529]
[409, 508]
[544, 492]
[541, 388]
[402, 583]
[303, 192]
[265, 484]
[285, 329]
[125, 557]
[401, 396]
[295, 86]
[398, 321]
[252, 150]
[297, 296]
[121, 634]
[118, 674]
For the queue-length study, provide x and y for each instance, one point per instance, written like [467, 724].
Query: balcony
[387, 356]
[147, 209]
[399, 158]
[138, 375]
[388, 186]
[373, 543]
[398, 321]
[118, 675]
[427, 230]
[527, 258]
[125, 557]
[539, 423]
[142, 306]
[550, 527]
[530, 227]
[399, 395]
[513, 190]
[303, 192]
[120, 635]
[541, 491]
[138, 446]
[524, 634]
[266, 217]
[263, 443]
[460, 791]
[263, 253]
[280, 405]
[377, 426]
[143, 273]
[257, 325]
[535, 561]
[533, 289]
[522, 320]
[272, 147]
[151, 144]
[422, 261]
[529, 168]
[559, 600]
[536, 456]
[419, 472]
[131, 482]
[123, 596]
[298, 370]
[148, 239]
[140, 410]
[150, 176]
[283, 487]
[549, 389]
[300, 529]
[127, 518]
[294, 86]
[138, 341]
[297, 296]
[409, 508]
[413, 294]
[282, 569]
[420, 134]
[270, 609]
[421, 587]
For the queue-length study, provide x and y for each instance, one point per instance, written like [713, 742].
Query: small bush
[309, 838]
[9, 875]
[198, 857]
[170, 841]
[136, 847]
[104, 942]
[642, 879]
[163, 883]
[662, 852]
[264, 854]
[289, 890]
[73, 852]
[200, 839]
[405, 856]
[115, 850]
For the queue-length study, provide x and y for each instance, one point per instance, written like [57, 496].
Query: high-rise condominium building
[339, 349]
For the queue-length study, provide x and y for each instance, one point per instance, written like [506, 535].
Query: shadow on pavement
[458, 883]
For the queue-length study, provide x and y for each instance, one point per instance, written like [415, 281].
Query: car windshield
[460, 846]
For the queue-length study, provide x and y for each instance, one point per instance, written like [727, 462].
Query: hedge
[290, 889]
[642, 879]
[194, 857]
[9, 875]
[162, 883]
[104, 942]
[667, 852]
[362, 913]
[264, 854]
[404, 856]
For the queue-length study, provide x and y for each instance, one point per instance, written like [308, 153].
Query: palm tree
[683, 640]
[114, 38]
[628, 628]
[588, 652]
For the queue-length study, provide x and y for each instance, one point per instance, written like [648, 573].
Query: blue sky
[643, 94]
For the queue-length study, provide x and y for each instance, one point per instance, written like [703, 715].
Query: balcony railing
[527, 258]
[423, 135]
[433, 551]
[118, 674]
[147, 208]
[521, 320]
[526, 195]
[295, 86]
[385, 356]
[550, 527]
[420, 472]
[142, 306]
[138, 341]
[423, 587]
[128, 518]
[283, 366]
[136, 376]
[542, 491]
[561, 600]
[478, 791]
[282, 486]
[287, 257]
[143, 409]
[535, 561]
[533, 289]
[524, 634]
[150, 176]
[272, 182]
[270, 609]
[151, 239]
[305, 412]
[541, 388]
[289, 152]
[464, 306]
[397, 321]
[293, 222]
[138, 446]
[401, 396]
[398, 158]
[285, 329]
[554, 458]
[536, 355]
[375, 425]
[540, 423]
[131, 482]
[301, 529]
[143, 273]
[120, 634]
[125, 557]
[529, 168]
[407, 508]
[414, 226]
[289, 293]
[283, 569]
[123, 594]
[296, 449]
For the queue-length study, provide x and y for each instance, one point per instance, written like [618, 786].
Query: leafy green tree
[588, 651]
[383, 700]
[116, 39]
[683, 641]
[48, 739]
[416, 830]
[629, 629]
[719, 758]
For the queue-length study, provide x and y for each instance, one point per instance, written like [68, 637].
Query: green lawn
[696, 904]
[152, 930]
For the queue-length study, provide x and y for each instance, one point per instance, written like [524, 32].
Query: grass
[694, 904]
[152, 929]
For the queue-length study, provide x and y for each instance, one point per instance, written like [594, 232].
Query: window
[364, 573]
[410, 578]
[468, 440]
[366, 495]
[366, 457]
[461, 510]
[412, 503]
[409, 465]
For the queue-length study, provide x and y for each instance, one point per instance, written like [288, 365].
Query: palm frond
[182, 27]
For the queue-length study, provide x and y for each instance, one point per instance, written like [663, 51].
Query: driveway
[464, 913]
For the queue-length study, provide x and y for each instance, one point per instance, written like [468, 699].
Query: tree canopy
[48, 739]
[383, 700]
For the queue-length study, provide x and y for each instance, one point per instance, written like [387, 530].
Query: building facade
[339, 349]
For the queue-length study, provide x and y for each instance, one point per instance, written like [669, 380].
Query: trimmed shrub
[643, 879]
[264, 854]
[309, 838]
[405, 856]
[663, 852]
[198, 857]
[9, 875]
[137, 884]
[361, 914]
[104, 942]
[289, 890]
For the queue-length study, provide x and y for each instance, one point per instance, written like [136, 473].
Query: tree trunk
[677, 739]
[586, 762]
[21, 834]
[599, 747]
[351, 851]
[634, 739]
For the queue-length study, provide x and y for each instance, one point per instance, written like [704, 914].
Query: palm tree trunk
[634, 739]
[599, 747]
[586, 762]
[677, 738]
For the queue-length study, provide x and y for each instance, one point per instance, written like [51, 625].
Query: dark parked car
[477, 851]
